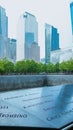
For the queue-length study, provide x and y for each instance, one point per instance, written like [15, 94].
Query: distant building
[12, 50]
[3, 23]
[51, 41]
[66, 54]
[55, 56]
[34, 52]
[4, 40]
[55, 39]
[27, 35]
[7, 48]
[47, 43]
[42, 60]
[4, 43]
[7, 45]
[71, 12]
[61, 55]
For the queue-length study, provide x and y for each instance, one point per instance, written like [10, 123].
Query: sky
[53, 12]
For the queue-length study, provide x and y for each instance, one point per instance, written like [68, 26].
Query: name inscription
[13, 115]
[60, 115]
[3, 107]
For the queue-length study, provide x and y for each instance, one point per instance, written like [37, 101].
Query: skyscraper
[71, 12]
[3, 33]
[34, 52]
[47, 42]
[12, 49]
[27, 35]
[51, 41]
[55, 39]
[7, 45]
[3, 23]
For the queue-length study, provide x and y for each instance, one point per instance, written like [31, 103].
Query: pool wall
[12, 82]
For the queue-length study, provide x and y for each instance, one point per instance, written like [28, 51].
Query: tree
[1, 67]
[32, 66]
[20, 67]
[8, 66]
[70, 65]
[57, 69]
[63, 66]
[50, 68]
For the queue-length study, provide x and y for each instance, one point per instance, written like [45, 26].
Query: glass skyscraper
[27, 35]
[31, 28]
[3, 33]
[3, 23]
[71, 12]
[7, 45]
[55, 39]
[48, 31]
[51, 41]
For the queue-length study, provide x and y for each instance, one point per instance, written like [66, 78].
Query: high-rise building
[8, 48]
[47, 43]
[3, 46]
[64, 54]
[4, 40]
[55, 39]
[34, 52]
[7, 45]
[12, 50]
[71, 12]
[51, 41]
[27, 35]
[3, 23]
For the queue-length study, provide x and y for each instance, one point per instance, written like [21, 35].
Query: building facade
[7, 45]
[71, 12]
[61, 55]
[4, 41]
[3, 23]
[12, 50]
[48, 31]
[55, 39]
[51, 41]
[34, 52]
[27, 35]
[8, 48]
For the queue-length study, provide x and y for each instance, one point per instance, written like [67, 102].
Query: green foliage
[42, 67]
[56, 67]
[6, 66]
[63, 66]
[20, 67]
[1, 67]
[28, 66]
[50, 68]
[67, 66]
[70, 65]
[32, 67]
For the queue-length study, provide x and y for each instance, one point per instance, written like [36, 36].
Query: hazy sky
[53, 12]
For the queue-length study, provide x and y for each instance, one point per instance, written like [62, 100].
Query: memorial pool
[44, 107]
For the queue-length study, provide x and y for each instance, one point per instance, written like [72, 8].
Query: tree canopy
[32, 67]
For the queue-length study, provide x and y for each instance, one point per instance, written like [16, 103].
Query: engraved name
[59, 115]
[13, 115]
[3, 107]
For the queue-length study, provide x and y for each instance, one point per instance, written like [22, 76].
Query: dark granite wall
[12, 82]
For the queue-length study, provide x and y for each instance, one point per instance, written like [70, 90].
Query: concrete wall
[29, 81]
